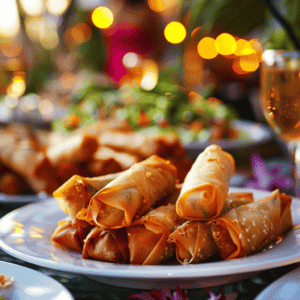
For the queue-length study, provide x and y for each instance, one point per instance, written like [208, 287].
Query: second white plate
[25, 233]
[29, 284]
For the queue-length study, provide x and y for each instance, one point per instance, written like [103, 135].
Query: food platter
[29, 284]
[257, 134]
[38, 220]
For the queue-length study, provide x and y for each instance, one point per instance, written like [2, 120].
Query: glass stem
[295, 167]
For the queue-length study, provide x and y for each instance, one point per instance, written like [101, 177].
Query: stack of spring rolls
[143, 216]
[32, 160]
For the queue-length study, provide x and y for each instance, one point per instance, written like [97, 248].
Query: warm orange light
[102, 17]
[67, 80]
[17, 87]
[207, 48]
[249, 63]
[195, 32]
[237, 68]
[256, 46]
[81, 33]
[175, 32]
[225, 44]
[160, 5]
[11, 49]
[240, 45]
[247, 49]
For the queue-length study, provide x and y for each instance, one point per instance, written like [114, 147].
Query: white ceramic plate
[25, 233]
[286, 287]
[31, 285]
[21, 199]
[258, 134]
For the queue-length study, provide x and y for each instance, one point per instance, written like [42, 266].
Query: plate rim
[229, 144]
[184, 272]
[21, 271]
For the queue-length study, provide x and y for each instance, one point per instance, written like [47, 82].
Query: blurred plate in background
[258, 134]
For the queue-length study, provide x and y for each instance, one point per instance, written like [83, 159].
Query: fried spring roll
[143, 144]
[252, 227]
[205, 187]
[106, 245]
[12, 184]
[147, 237]
[194, 240]
[70, 237]
[132, 193]
[26, 160]
[107, 160]
[79, 148]
[75, 194]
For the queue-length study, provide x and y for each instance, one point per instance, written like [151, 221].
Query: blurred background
[185, 67]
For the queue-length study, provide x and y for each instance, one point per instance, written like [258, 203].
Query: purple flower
[178, 294]
[267, 178]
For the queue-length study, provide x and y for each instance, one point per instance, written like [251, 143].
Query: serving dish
[286, 287]
[22, 199]
[257, 134]
[29, 284]
[25, 234]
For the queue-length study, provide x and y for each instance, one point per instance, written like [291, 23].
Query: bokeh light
[150, 75]
[102, 17]
[240, 45]
[207, 48]
[237, 68]
[9, 19]
[78, 34]
[161, 5]
[130, 60]
[225, 44]
[175, 32]
[33, 7]
[11, 49]
[195, 32]
[57, 7]
[249, 63]
[256, 46]
[17, 87]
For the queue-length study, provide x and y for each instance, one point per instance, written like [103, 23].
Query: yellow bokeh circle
[225, 44]
[249, 63]
[175, 32]
[102, 17]
[206, 48]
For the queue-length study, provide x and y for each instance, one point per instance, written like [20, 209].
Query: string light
[207, 48]
[225, 44]
[57, 7]
[102, 17]
[175, 32]
[9, 19]
[249, 63]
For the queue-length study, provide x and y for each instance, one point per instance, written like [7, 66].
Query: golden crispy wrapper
[75, 194]
[132, 193]
[205, 187]
[143, 144]
[252, 227]
[148, 236]
[70, 237]
[194, 240]
[78, 148]
[106, 245]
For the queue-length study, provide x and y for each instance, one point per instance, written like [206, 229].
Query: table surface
[84, 288]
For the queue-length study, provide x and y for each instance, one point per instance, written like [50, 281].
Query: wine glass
[280, 101]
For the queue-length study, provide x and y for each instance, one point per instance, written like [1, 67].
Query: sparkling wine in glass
[280, 100]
